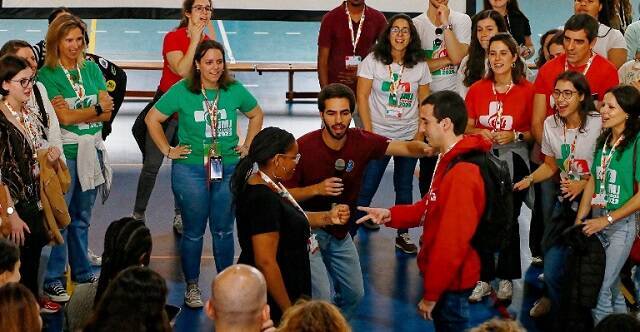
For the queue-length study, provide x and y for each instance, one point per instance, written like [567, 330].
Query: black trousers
[32, 248]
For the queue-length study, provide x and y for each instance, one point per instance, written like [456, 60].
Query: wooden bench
[290, 68]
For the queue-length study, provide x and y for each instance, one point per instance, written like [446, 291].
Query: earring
[197, 68]
[513, 65]
[626, 117]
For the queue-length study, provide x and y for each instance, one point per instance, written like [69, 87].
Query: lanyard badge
[76, 84]
[213, 159]
[600, 198]
[499, 106]
[394, 109]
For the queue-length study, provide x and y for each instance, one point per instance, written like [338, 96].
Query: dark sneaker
[370, 225]
[48, 307]
[404, 243]
[537, 261]
[56, 292]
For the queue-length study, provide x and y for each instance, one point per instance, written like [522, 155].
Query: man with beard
[347, 33]
[338, 156]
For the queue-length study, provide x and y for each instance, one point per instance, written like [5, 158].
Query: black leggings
[34, 242]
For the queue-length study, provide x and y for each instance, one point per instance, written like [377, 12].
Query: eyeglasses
[296, 158]
[25, 82]
[200, 8]
[566, 94]
[398, 30]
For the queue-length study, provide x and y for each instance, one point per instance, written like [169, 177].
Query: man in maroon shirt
[317, 184]
[346, 34]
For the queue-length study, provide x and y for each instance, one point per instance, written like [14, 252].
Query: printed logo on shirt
[350, 166]
[404, 91]
[440, 52]
[491, 120]
[84, 102]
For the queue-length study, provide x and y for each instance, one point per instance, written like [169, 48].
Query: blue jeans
[621, 236]
[199, 203]
[338, 260]
[76, 241]
[554, 272]
[402, 181]
[452, 312]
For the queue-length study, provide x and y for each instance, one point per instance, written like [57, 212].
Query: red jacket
[451, 214]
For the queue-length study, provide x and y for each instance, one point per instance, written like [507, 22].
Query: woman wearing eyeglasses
[568, 145]
[610, 42]
[78, 94]
[22, 135]
[273, 230]
[178, 50]
[207, 104]
[499, 108]
[392, 80]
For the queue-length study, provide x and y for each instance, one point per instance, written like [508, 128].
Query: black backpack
[494, 230]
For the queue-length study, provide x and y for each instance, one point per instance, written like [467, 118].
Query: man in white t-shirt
[629, 73]
[445, 35]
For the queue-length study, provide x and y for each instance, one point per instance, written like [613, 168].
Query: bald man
[239, 300]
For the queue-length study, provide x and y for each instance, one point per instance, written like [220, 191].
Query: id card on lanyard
[312, 242]
[352, 61]
[78, 87]
[394, 107]
[600, 198]
[213, 159]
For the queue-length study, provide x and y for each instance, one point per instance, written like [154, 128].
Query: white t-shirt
[629, 72]
[554, 144]
[396, 118]
[444, 78]
[608, 38]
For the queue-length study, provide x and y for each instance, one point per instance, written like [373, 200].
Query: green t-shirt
[57, 84]
[619, 177]
[194, 125]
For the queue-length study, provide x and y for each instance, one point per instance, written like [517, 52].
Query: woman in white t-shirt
[392, 80]
[569, 142]
[610, 43]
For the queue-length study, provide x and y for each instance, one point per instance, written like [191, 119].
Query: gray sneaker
[94, 259]
[193, 296]
[177, 224]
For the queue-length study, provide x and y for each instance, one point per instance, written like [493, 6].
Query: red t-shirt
[175, 40]
[602, 75]
[334, 34]
[318, 163]
[482, 105]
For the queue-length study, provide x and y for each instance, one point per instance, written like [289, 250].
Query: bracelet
[530, 178]
[169, 152]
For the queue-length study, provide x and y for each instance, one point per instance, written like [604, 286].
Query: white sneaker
[481, 290]
[94, 259]
[505, 290]
[193, 296]
[177, 224]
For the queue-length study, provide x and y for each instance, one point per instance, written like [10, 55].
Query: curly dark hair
[414, 53]
[475, 69]
[518, 70]
[628, 98]
[134, 301]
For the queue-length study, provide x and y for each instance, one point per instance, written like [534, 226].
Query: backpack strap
[43, 111]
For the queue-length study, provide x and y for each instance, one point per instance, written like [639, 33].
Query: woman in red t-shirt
[178, 50]
[499, 108]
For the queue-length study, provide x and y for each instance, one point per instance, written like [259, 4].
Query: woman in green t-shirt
[610, 193]
[208, 151]
[78, 94]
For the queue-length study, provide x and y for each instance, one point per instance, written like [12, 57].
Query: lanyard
[572, 148]
[586, 68]
[212, 111]
[78, 86]
[500, 106]
[605, 162]
[281, 191]
[356, 38]
[430, 193]
[395, 83]
[27, 126]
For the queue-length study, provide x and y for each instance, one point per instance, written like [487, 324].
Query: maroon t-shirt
[318, 163]
[334, 34]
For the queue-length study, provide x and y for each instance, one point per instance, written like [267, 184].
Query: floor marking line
[260, 33]
[293, 33]
[225, 41]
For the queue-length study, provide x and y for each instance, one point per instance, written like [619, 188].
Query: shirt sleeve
[45, 76]
[326, 31]
[378, 143]
[527, 26]
[366, 68]
[54, 136]
[247, 101]
[426, 74]
[540, 85]
[171, 42]
[632, 39]
[470, 101]
[169, 103]
[463, 29]
[96, 75]
[636, 162]
[617, 39]
[546, 148]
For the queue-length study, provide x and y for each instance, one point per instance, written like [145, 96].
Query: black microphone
[339, 168]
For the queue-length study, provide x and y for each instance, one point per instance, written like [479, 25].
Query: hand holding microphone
[333, 186]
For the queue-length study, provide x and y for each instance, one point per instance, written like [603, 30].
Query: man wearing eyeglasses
[346, 34]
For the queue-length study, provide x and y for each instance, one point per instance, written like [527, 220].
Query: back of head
[336, 90]
[239, 294]
[499, 325]
[618, 323]
[134, 301]
[18, 309]
[12, 46]
[313, 316]
[127, 242]
[448, 104]
[584, 22]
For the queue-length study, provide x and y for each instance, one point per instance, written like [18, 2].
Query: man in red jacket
[450, 212]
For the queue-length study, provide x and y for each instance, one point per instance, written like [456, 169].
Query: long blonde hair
[58, 29]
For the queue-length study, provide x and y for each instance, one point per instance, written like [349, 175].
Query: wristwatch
[609, 219]
[98, 108]
[518, 136]
[448, 27]
[11, 210]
